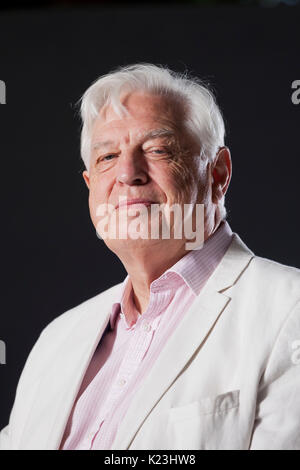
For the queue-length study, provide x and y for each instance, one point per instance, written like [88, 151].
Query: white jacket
[228, 377]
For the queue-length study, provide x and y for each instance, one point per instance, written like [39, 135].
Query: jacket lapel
[196, 326]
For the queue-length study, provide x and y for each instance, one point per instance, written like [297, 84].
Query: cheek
[184, 176]
[93, 206]
[97, 196]
[99, 189]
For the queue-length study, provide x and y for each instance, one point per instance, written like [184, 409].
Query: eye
[105, 158]
[108, 157]
[158, 151]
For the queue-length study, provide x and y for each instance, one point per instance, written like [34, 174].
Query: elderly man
[199, 346]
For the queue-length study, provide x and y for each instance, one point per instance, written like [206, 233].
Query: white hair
[203, 118]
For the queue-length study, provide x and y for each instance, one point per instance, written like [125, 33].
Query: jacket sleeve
[277, 422]
[4, 438]
[30, 371]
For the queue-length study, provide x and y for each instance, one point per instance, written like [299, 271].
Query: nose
[132, 169]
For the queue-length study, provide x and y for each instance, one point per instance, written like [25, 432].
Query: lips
[130, 202]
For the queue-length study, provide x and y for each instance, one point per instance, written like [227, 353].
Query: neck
[145, 264]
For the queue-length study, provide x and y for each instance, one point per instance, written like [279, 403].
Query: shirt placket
[142, 335]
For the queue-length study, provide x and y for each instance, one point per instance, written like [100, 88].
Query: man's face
[145, 155]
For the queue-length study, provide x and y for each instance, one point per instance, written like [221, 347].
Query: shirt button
[122, 382]
[146, 326]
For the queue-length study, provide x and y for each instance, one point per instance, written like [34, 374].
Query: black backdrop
[51, 258]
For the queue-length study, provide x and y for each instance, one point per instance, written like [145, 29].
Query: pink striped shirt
[127, 351]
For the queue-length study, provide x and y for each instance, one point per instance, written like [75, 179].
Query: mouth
[131, 202]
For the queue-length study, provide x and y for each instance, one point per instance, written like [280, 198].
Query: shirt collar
[193, 269]
[197, 266]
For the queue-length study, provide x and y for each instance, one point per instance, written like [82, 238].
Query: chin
[117, 245]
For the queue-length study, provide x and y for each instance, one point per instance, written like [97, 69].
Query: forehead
[145, 111]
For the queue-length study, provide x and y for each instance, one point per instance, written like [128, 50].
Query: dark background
[51, 257]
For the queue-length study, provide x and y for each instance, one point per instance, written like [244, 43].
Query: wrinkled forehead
[142, 112]
[141, 105]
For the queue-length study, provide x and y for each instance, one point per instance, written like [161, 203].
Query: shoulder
[266, 290]
[262, 273]
[71, 317]
[275, 276]
[269, 294]
[53, 336]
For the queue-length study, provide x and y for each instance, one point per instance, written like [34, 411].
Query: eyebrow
[157, 133]
[153, 134]
[105, 143]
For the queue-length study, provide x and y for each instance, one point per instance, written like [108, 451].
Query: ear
[86, 178]
[221, 174]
